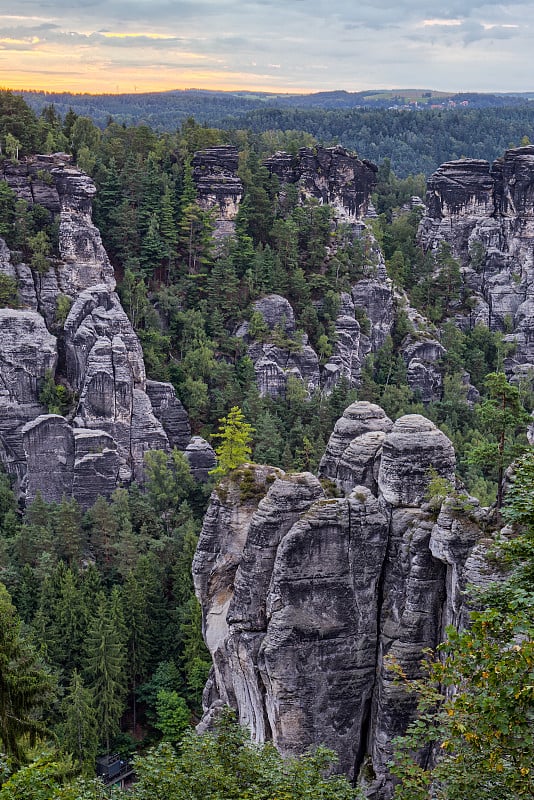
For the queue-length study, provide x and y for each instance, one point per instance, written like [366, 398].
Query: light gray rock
[305, 598]
[413, 592]
[97, 466]
[375, 297]
[49, 447]
[276, 311]
[360, 461]
[332, 175]
[147, 433]
[170, 413]
[347, 357]
[484, 214]
[413, 448]
[218, 186]
[358, 420]
[425, 380]
[318, 658]
[27, 352]
[273, 365]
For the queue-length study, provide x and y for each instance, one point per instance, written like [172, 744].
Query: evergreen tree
[503, 418]
[24, 685]
[236, 438]
[79, 730]
[137, 622]
[105, 662]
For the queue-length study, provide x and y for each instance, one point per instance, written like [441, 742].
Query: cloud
[366, 45]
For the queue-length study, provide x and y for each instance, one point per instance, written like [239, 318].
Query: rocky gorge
[310, 585]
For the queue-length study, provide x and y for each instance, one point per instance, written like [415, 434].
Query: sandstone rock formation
[218, 186]
[305, 598]
[331, 175]
[486, 215]
[116, 415]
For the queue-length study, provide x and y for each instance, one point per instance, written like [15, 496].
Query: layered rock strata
[218, 186]
[331, 175]
[306, 598]
[116, 415]
[486, 215]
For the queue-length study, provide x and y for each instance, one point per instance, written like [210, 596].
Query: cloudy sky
[270, 45]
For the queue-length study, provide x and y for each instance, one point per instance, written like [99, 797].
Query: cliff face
[305, 598]
[218, 186]
[331, 175]
[486, 214]
[117, 415]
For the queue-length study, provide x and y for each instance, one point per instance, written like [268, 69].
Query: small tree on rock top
[236, 439]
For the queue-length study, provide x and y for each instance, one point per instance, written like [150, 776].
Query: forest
[406, 129]
[100, 643]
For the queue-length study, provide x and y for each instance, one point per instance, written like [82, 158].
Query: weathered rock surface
[332, 175]
[273, 365]
[49, 446]
[97, 466]
[218, 186]
[413, 447]
[27, 353]
[352, 454]
[486, 215]
[115, 416]
[305, 598]
[201, 457]
[170, 413]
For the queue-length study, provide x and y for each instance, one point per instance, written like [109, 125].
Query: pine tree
[105, 662]
[236, 438]
[67, 524]
[24, 685]
[138, 624]
[79, 731]
[504, 419]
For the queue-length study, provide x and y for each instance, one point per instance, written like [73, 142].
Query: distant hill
[166, 110]
[416, 130]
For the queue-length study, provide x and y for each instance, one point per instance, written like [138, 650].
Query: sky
[266, 45]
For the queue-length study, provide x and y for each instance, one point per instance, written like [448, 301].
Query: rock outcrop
[282, 351]
[331, 175]
[116, 415]
[218, 186]
[486, 215]
[305, 598]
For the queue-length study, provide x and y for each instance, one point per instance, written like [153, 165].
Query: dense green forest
[376, 125]
[101, 631]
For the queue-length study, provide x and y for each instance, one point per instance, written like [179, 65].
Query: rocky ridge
[117, 415]
[306, 597]
[485, 213]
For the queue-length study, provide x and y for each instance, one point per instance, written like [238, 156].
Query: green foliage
[8, 292]
[172, 715]
[63, 306]
[25, 687]
[105, 667]
[236, 438]
[225, 765]
[54, 396]
[482, 727]
[503, 417]
[79, 733]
